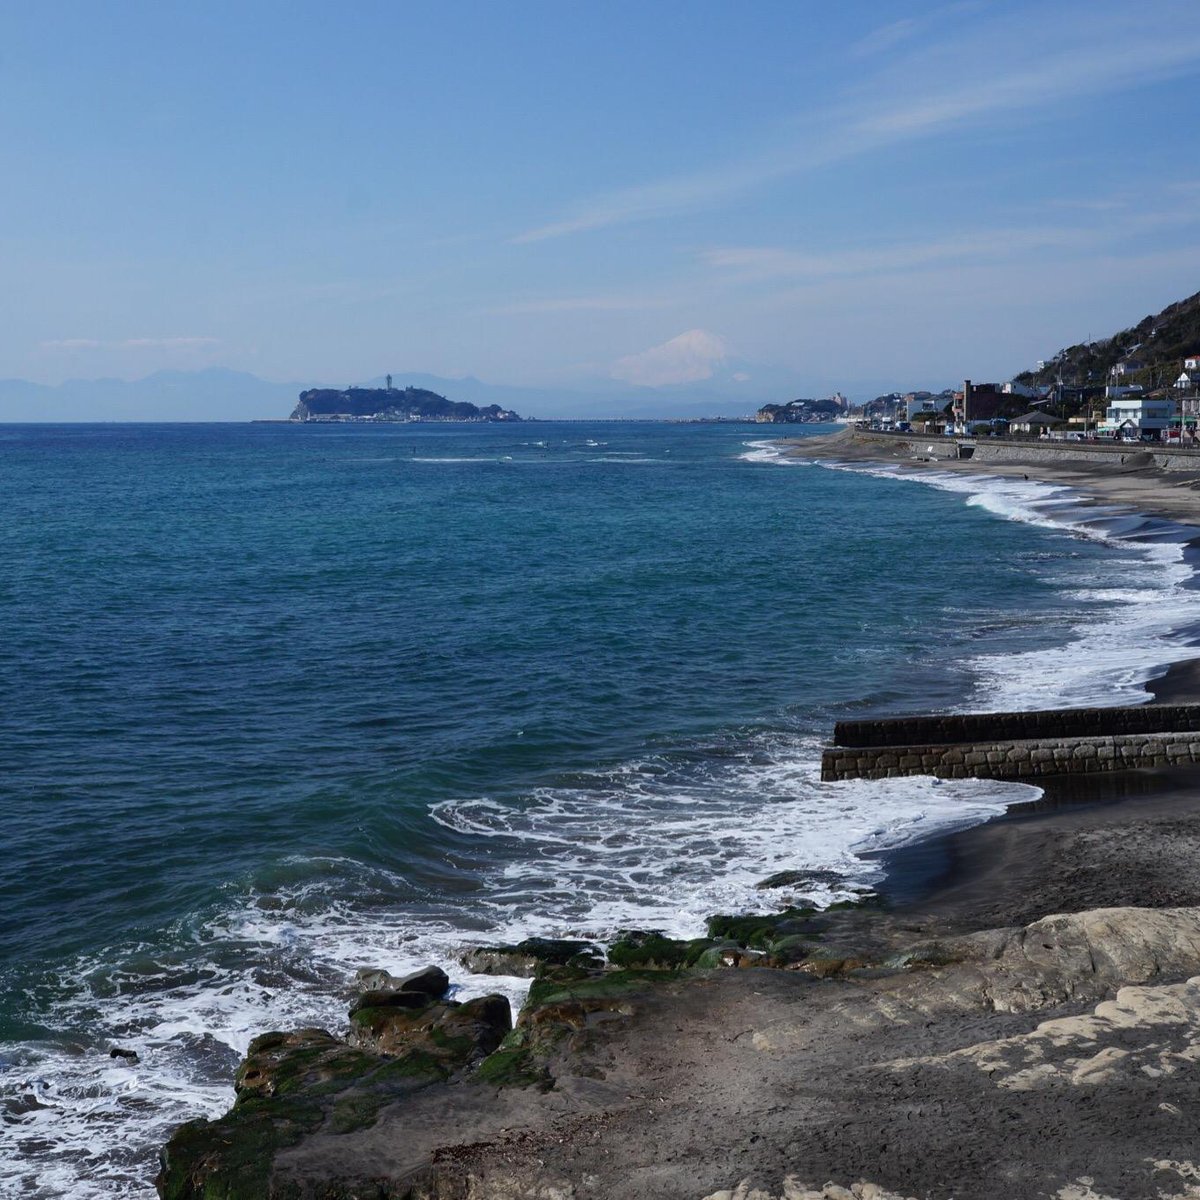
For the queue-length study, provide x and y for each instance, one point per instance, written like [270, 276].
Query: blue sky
[551, 194]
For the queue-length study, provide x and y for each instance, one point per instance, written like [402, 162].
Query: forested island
[391, 404]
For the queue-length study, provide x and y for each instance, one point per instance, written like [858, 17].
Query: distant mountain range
[209, 395]
[718, 385]
[217, 394]
[733, 389]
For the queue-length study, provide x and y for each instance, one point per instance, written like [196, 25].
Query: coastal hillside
[802, 411]
[391, 404]
[1150, 352]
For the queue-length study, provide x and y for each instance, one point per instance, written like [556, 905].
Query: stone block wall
[1025, 760]
[1019, 726]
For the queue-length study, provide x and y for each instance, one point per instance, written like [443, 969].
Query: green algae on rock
[524, 959]
[295, 1084]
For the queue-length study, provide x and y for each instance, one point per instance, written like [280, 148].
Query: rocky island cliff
[391, 404]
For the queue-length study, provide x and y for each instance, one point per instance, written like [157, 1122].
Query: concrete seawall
[1002, 450]
[1019, 745]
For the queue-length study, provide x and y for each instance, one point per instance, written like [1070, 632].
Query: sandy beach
[1134, 483]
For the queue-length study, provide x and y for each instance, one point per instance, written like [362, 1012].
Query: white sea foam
[664, 849]
[1131, 634]
[653, 844]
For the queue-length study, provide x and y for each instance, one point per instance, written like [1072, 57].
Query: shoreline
[898, 1054]
[927, 875]
[1142, 488]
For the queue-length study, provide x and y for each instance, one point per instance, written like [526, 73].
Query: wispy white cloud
[140, 343]
[765, 262]
[885, 37]
[758, 263]
[1078, 52]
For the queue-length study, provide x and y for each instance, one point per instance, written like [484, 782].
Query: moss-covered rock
[455, 1033]
[390, 998]
[290, 1085]
[231, 1158]
[651, 949]
[525, 959]
[758, 931]
[790, 949]
[514, 1066]
[293, 1084]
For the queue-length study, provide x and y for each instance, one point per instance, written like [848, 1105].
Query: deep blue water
[281, 701]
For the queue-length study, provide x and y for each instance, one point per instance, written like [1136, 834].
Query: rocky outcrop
[295, 1085]
[391, 404]
[524, 959]
[871, 1056]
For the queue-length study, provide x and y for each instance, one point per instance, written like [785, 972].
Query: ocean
[279, 702]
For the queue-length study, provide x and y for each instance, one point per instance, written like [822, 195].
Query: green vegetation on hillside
[1156, 344]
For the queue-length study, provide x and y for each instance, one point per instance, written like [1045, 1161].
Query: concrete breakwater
[1015, 745]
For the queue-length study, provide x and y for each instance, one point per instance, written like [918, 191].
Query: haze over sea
[282, 702]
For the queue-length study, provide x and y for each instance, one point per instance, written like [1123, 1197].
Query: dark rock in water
[391, 999]
[433, 981]
[375, 979]
[120, 1052]
[525, 958]
[800, 879]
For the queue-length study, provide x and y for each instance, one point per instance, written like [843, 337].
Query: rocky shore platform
[1016, 1015]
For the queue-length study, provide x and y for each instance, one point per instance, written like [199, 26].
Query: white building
[913, 405]
[1128, 367]
[1013, 388]
[1135, 415]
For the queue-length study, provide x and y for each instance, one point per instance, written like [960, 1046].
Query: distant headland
[391, 404]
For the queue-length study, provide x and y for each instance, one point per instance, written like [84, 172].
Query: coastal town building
[1127, 367]
[1014, 388]
[1036, 423]
[1133, 416]
[916, 404]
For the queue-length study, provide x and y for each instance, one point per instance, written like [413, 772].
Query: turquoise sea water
[279, 702]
